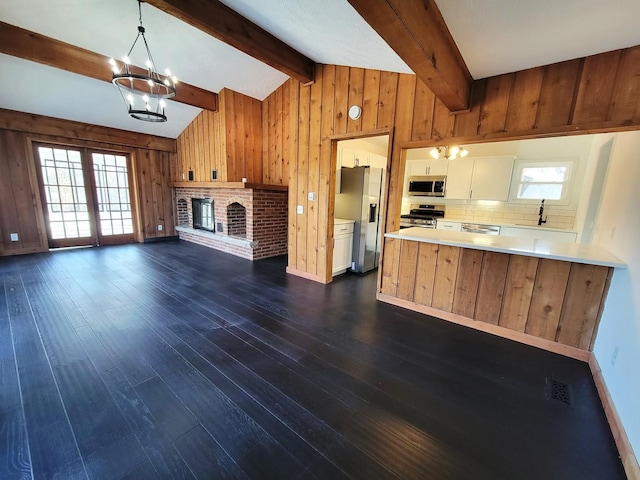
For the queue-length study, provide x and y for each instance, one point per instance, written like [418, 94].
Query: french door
[86, 196]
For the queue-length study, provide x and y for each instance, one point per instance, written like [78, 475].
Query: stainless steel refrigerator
[359, 200]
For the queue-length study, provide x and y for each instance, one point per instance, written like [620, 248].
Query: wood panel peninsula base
[541, 293]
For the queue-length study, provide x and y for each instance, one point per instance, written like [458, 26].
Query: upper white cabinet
[427, 167]
[459, 176]
[353, 158]
[491, 178]
[482, 178]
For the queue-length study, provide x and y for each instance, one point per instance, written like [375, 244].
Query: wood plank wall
[155, 198]
[19, 197]
[276, 117]
[229, 140]
[594, 94]
[549, 299]
[20, 203]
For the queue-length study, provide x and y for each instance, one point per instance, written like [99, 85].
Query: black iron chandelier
[143, 91]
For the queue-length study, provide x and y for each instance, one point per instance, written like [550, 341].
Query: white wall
[618, 230]
[593, 186]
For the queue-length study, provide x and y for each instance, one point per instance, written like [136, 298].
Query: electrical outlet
[614, 356]
[14, 237]
[311, 196]
[299, 209]
[159, 228]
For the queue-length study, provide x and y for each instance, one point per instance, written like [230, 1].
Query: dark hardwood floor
[171, 360]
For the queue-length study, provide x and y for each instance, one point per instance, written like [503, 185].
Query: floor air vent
[559, 391]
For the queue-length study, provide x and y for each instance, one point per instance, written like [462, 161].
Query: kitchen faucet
[540, 221]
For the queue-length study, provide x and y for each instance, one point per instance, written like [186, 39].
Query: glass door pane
[113, 202]
[65, 196]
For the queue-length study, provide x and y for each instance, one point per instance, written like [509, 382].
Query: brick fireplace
[249, 222]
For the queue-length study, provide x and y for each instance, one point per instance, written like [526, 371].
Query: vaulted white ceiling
[494, 36]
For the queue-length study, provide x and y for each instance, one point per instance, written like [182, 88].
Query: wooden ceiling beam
[416, 31]
[21, 43]
[219, 21]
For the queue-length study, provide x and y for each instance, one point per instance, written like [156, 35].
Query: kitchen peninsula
[542, 293]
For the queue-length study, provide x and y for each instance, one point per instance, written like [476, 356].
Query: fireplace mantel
[255, 186]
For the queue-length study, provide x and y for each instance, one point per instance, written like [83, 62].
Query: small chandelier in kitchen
[143, 91]
[449, 152]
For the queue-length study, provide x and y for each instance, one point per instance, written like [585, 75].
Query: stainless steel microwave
[427, 186]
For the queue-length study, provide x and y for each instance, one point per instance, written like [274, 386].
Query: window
[535, 181]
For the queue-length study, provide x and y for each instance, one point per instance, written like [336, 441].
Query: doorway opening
[360, 199]
[86, 196]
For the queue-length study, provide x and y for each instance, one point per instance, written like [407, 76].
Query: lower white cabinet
[539, 233]
[447, 225]
[342, 245]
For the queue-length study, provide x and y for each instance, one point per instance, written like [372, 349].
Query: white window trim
[567, 190]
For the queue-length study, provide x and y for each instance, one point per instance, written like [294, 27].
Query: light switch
[159, 228]
[311, 196]
[14, 237]
[300, 210]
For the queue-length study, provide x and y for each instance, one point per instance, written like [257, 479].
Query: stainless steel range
[424, 216]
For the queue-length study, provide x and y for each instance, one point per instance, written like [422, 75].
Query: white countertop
[570, 252]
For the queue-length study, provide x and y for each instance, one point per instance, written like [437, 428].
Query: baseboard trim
[308, 276]
[625, 450]
[566, 350]
[169, 238]
[23, 251]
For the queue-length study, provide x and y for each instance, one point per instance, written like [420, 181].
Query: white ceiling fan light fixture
[448, 152]
[148, 88]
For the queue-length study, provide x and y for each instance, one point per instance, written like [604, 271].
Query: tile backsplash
[558, 216]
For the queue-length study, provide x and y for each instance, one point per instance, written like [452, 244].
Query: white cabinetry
[353, 158]
[448, 225]
[491, 178]
[350, 157]
[342, 245]
[539, 233]
[427, 167]
[483, 178]
[459, 179]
